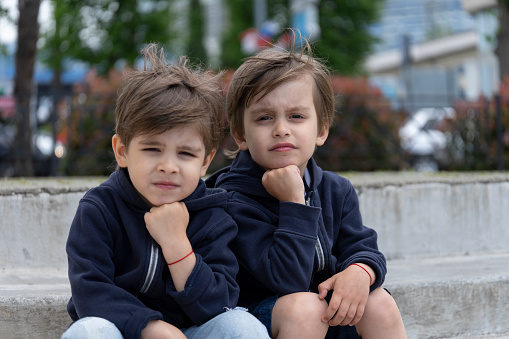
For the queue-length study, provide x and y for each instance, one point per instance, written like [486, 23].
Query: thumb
[324, 288]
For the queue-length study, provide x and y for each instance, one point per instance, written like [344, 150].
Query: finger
[350, 314]
[323, 290]
[358, 316]
[296, 169]
[147, 217]
[331, 311]
[340, 315]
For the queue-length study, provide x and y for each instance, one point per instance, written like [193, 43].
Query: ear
[206, 162]
[322, 136]
[241, 142]
[120, 151]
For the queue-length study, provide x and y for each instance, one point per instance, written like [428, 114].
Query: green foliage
[104, 32]
[195, 48]
[345, 39]
[240, 18]
[344, 42]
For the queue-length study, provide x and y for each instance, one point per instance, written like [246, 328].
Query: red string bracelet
[184, 258]
[365, 270]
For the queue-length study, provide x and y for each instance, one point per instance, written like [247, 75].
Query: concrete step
[449, 297]
[452, 297]
[33, 303]
[426, 223]
[484, 337]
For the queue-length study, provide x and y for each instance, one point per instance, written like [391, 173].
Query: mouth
[283, 147]
[166, 185]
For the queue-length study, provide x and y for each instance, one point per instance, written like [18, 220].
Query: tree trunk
[502, 50]
[28, 32]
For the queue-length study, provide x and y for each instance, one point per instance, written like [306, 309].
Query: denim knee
[92, 328]
[244, 325]
[234, 323]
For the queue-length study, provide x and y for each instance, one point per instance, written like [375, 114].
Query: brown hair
[164, 96]
[270, 68]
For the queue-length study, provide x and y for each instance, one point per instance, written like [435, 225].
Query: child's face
[166, 167]
[282, 128]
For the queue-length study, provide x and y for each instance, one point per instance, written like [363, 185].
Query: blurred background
[421, 85]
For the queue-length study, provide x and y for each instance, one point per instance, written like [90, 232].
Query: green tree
[345, 39]
[103, 33]
[4, 14]
[195, 48]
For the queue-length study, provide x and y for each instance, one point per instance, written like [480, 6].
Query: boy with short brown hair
[300, 229]
[148, 249]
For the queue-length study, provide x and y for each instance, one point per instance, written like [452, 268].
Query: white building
[423, 71]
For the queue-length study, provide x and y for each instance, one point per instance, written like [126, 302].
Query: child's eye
[187, 154]
[151, 149]
[296, 116]
[263, 118]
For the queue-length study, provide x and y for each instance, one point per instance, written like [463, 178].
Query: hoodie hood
[243, 176]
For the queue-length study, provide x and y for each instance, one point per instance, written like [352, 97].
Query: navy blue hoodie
[117, 271]
[285, 247]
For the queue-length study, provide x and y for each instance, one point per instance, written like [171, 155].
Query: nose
[281, 128]
[168, 164]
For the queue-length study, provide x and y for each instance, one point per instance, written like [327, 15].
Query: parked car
[43, 146]
[422, 138]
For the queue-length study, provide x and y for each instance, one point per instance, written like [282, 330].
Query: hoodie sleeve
[355, 243]
[91, 274]
[279, 250]
[211, 288]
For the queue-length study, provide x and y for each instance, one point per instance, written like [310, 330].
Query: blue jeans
[92, 327]
[235, 323]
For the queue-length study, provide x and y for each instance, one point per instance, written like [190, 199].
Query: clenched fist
[285, 184]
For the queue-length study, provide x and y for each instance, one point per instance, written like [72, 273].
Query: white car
[421, 138]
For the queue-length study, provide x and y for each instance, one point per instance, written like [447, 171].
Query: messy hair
[263, 72]
[164, 96]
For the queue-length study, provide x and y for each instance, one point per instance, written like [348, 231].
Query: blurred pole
[406, 72]
[54, 118]
[260, 13]
[500, 159]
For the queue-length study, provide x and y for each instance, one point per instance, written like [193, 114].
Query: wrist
[174, 242]
[181, 259]
[366, 269]
[177, 251]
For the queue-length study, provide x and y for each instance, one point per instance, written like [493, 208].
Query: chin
[283, 164]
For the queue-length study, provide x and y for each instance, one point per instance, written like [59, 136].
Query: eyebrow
[185, 147]
[148, 142]
[264, 109]
[189, 148]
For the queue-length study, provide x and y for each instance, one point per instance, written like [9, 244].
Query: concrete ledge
[415, 215]
[35, 218]
[33, 304]
[439, 214]
[450, 297]
[426, 224]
